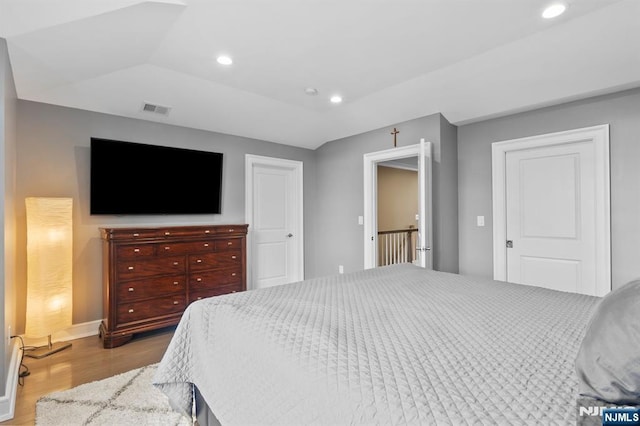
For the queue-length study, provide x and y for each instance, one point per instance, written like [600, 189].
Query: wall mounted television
[139, 179]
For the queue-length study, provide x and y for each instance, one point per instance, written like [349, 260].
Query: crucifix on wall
[395, 133]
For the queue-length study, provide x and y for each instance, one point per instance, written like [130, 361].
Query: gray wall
[53, 160]
[341, 193]
[621, 111]
[445, 205]
[8, 101]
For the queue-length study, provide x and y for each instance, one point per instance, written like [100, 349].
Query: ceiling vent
[156, 109]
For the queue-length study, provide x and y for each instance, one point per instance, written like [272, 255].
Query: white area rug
[126, 399]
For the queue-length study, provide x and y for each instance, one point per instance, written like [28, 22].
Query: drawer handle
[231, 230]
[130, 311]
[136, 250]
[167, 247]
[130, 268]
[199, 261]
[175, 283]
[199, 297]
[167, 233]
[199, 279]
[233, 257]
[234, 291]
[175, 302]
[206, 244]
[130, 288]
[233, 274]
[175, 263]
[229, 243]
[206, 231]
[136, 235]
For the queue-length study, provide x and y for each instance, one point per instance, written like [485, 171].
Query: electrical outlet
[340, 269]
[9, 335]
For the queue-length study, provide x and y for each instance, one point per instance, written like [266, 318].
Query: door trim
[370, 219]
[298, 196]
[599, 135]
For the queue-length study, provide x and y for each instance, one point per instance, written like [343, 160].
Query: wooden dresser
[151, 274]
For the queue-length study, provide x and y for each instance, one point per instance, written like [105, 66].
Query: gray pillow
[608, 363]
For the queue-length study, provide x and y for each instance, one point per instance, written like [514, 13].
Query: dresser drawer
[229, 244]
[151, 287]
[132, 233]
[162, 306]
[219, 277]
[205, 261]
[145, 268]
[222, 230]
[135, 251]
[185, 248]
[217, 291]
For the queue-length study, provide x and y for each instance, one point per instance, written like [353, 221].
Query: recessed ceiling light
[224, 60]
[554, 10]
[336, 99]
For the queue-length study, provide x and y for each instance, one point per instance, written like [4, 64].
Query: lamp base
[46, 350]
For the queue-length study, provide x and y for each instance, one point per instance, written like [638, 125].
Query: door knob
[289, 235]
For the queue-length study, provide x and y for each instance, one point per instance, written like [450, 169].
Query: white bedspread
[392, 345]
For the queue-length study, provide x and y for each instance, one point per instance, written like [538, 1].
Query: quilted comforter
[392, 345]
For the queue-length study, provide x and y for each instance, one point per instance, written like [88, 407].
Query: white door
[274, 215]
[552, 216]
[425, 217]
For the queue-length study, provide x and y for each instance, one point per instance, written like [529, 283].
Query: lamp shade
[49, 265]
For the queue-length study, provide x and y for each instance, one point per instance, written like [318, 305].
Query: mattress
[391, 345]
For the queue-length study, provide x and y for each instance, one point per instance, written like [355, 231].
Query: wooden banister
[396, 246]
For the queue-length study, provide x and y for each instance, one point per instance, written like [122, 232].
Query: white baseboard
[76, 331]
[8, 401]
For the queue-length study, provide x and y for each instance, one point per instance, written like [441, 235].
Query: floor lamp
[49, 269]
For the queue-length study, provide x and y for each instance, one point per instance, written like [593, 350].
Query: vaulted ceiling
[390, 60]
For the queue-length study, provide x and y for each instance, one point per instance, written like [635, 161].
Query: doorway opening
[421, 154]
[397, 211]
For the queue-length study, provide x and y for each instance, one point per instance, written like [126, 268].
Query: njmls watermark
[610, 415]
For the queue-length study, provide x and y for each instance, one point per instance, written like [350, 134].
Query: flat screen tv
[135, 179]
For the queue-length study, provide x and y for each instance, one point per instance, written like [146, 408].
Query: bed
[391, 345]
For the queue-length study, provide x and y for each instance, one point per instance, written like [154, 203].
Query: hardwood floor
[86, 361]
